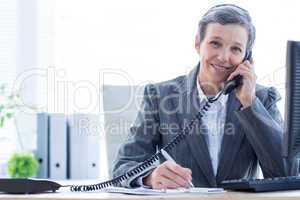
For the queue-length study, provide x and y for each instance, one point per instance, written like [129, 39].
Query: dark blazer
[252, 135]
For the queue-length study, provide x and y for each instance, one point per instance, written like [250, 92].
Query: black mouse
[27, 186]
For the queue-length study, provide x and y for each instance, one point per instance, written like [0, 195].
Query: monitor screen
[291, 144]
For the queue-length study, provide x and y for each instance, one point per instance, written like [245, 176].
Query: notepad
[147, 191]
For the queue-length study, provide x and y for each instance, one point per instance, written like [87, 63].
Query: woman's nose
[224, 56]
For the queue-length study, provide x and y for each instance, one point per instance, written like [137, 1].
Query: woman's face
[221, 51]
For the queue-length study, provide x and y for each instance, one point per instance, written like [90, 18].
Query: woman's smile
[221, 68]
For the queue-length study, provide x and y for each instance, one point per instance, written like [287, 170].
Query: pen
[168, 157]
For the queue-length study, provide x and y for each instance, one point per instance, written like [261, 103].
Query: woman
[238, 132]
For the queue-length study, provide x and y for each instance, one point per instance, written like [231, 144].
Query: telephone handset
[141, 168]
[230, 85]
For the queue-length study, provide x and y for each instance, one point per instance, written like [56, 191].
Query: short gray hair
[228, 14]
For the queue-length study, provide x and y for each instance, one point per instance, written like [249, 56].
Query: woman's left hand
[245, 92]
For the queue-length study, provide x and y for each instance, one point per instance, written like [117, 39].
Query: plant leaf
[1, 122]
[9, 115]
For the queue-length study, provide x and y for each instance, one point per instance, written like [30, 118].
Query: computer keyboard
[263, 185]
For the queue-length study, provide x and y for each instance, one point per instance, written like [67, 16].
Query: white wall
[149, 41]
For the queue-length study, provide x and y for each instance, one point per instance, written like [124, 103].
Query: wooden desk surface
[229, 195]
[65, 194]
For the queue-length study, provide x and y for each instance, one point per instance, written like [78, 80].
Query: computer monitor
[291, 143]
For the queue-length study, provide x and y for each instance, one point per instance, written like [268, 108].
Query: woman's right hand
[169, 175]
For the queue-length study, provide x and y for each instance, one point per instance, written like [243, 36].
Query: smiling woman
[221, 51]
[226, 35]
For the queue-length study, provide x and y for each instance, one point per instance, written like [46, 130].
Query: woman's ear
[197, 43]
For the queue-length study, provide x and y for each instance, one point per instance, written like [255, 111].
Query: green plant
[22, 165]
[8, 104]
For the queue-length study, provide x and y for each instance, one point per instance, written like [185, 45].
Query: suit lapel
[232, 138]
[196, 138]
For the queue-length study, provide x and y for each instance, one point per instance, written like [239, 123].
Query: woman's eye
[215, 44]
[236, 49]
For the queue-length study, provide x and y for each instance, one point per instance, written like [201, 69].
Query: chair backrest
[121, 104]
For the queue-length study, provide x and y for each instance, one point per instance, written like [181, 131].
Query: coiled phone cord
[153, 159]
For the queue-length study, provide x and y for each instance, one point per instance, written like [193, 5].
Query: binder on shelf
[42, 145]
[57, 146]
[84, 146]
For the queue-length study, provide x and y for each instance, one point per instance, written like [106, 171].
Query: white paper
[147, 191]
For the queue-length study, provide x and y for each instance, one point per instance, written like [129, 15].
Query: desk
[229, 195]
[65, 194]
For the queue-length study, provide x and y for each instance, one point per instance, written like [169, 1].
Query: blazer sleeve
[143, 137]
[263, 126]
